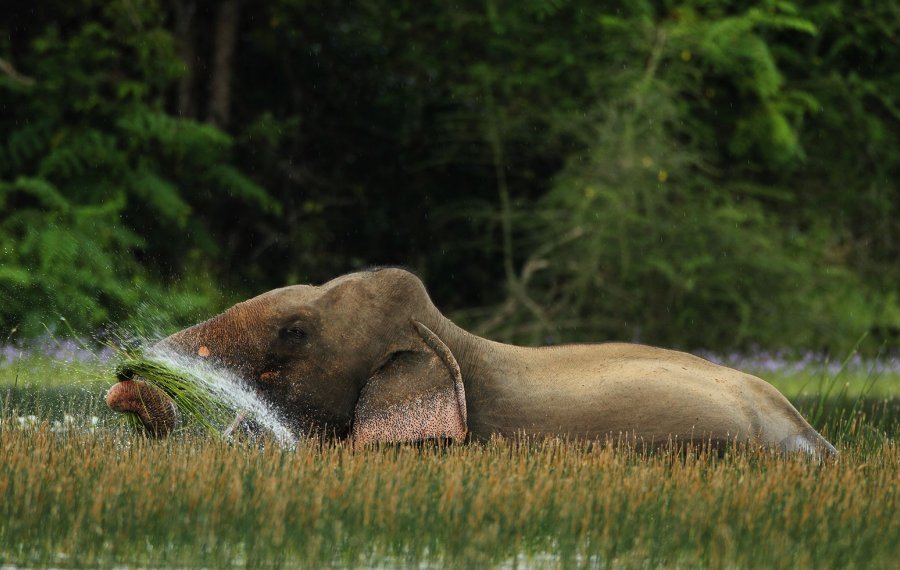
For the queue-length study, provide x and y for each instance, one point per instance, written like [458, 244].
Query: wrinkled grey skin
[367, 355]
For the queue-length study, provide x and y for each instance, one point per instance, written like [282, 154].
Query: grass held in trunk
[211, 398]
[189, 390]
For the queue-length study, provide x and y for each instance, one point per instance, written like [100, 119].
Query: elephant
[369, 357]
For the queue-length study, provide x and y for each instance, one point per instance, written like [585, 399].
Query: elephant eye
[294, 333]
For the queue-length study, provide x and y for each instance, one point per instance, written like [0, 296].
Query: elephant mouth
[156, 411]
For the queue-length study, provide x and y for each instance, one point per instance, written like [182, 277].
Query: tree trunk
[184, 34]
[223, 56]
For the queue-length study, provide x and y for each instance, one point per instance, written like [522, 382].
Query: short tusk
[238, 420]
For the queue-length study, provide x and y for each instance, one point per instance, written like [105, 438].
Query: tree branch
[11, 72]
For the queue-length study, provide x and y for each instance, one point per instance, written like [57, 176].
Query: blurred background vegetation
[692, 173]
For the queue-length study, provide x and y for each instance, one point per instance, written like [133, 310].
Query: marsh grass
[113, 498]
[109, 497]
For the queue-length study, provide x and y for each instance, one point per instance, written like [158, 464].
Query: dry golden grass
[109, 497]
[112, 497]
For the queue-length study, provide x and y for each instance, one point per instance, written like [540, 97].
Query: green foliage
[694, 173]
[676, 218]
[61, 263]
[94, 173]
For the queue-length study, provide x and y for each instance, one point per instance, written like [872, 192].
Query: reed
[100, 495]
[112, 498]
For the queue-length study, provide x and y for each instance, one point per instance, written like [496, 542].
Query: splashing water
[226, 388]
[75, 363]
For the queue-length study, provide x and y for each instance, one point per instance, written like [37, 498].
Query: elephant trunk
[225, 340]
[152, 406]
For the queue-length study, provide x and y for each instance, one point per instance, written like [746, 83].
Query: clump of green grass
[131, 421]
[188, 389]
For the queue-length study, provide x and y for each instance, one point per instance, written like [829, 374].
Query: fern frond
[161, 195]
[25, 144]
[237, 185]
[44, 191]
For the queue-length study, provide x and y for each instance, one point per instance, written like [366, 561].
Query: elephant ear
[418, 394]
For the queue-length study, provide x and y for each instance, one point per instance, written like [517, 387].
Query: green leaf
[160, 195]
[16, 275]
[41, 189]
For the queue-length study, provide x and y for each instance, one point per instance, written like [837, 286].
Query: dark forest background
[691, 173]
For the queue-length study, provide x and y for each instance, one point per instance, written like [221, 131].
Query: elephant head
[352, 357]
